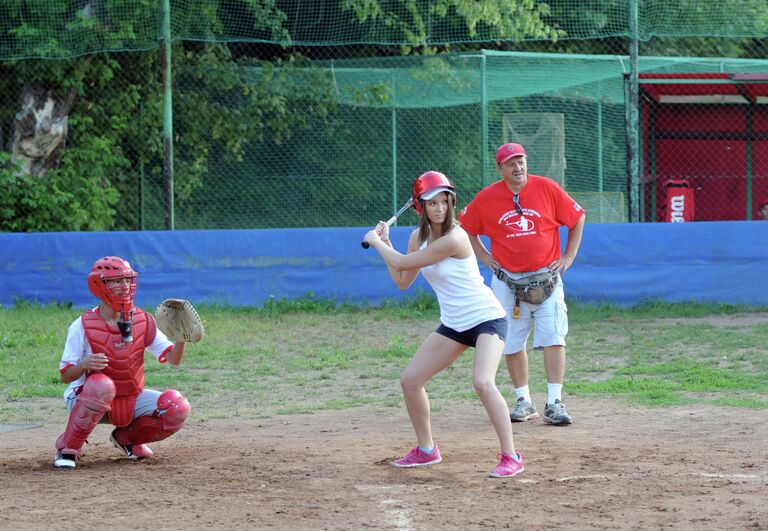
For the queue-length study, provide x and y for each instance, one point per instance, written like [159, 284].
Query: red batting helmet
[428, 185]
[109, 268]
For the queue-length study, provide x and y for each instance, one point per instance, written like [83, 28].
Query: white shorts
[146, 403]
[549, 319]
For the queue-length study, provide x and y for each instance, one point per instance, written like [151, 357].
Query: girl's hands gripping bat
[408, 204]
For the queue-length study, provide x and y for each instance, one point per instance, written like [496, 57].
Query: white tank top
[465, 301]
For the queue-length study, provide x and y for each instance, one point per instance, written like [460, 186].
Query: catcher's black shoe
[556, 414]
[66, 461]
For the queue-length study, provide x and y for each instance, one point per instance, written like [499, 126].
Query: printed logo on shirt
[522, 225]
[577, 207]
[517, 224]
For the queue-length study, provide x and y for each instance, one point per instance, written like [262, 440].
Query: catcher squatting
[103, 363]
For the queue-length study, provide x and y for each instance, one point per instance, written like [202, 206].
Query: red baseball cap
[507, 151]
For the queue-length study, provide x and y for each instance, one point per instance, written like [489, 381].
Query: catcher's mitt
[178, 320]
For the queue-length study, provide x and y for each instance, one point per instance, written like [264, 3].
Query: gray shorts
[146, 403]
[549, 320]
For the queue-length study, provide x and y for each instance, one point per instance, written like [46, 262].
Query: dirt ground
[616, 467]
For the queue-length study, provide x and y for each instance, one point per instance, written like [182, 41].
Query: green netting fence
[306, 114]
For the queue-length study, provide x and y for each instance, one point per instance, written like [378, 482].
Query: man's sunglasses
[518, 208]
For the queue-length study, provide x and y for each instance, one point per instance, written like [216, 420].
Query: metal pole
[653, 112]
[394, 160]
[600, 185]
[167, 116]
[142, 221]
[633, 142]
[394, 144]
[484, 118]
[750, 153]
[600, 150]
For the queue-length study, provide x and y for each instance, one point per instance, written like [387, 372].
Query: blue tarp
[623, 264]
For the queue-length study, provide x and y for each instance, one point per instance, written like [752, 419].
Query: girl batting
[470, 316]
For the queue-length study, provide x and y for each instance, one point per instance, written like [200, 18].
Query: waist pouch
[533, 289]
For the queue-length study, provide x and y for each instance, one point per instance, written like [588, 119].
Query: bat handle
[390, 221]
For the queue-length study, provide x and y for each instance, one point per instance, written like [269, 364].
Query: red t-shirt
[528, 242]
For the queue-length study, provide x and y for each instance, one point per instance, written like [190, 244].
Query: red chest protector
[126, 360]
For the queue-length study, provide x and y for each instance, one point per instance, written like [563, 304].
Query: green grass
[309, 355]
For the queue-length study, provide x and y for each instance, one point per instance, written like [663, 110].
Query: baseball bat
[408, 204]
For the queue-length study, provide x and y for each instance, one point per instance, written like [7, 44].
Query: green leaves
[71, 198]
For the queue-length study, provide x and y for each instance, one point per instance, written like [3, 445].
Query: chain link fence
[706, 144]
[321, 114]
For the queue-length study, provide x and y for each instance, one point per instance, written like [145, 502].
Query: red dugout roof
[706, 87]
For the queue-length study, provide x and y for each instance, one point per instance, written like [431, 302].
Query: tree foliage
[114, 152]
[243, 79]
[224, 95]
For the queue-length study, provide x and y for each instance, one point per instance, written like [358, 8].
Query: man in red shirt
[521, 215]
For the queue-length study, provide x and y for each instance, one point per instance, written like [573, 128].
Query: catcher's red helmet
[109, 268]
[429, 184]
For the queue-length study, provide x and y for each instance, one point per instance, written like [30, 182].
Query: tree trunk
[40, 129]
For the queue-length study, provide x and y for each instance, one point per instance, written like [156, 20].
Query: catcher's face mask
[118, 296]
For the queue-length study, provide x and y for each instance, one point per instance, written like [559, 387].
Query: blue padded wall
[624, 264]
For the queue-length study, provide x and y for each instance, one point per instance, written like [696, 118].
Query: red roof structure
[711, 130]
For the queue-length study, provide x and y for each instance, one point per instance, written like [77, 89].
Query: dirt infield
[614, 468]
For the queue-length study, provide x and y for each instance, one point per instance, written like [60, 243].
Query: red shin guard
[171, 413]
[98, 392]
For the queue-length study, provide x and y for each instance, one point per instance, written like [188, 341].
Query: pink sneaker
[507, 467]
[142, 451]
[418, 458]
